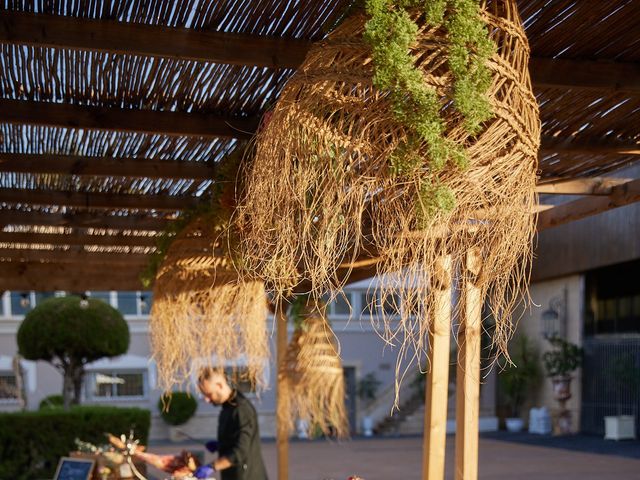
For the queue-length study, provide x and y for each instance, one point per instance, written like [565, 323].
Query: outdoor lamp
[142, 302]
[84, 301]
[554, 317]
[24, 300]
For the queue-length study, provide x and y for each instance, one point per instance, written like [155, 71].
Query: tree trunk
[78, 375]
[67, 389]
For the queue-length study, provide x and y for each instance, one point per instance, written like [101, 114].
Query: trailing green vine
[391, 33]
[216, 205]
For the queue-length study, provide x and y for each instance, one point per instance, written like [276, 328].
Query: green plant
[177, 408]
[52, 401]
[391, 32]
[368, 386]
[563, 359]
[70, 332]
[520, 376]
[32, 442]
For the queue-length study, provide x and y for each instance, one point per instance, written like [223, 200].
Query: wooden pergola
[113, 116]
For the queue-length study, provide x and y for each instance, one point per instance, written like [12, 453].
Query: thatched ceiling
[114, 114]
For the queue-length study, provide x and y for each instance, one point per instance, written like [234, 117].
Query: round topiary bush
[52, 401]
[177, 408]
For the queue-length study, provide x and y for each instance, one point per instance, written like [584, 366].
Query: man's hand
[204, 471]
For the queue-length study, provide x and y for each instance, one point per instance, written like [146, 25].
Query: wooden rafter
[67, 277]
[125, 120]
[72, 256]
[620, 196]
[584, 74]
[237, 49]
[146, 40]
[96, 200]
[76, 239]
[551, 145]
[582, 186]
[82, 220]
[104, 166]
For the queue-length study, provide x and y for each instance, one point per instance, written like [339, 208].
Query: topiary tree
[70, 332]
[177, 408]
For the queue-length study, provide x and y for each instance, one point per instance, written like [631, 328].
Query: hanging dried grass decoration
[332, 140]
[313, 387]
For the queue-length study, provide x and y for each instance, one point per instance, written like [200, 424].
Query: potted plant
[560, 362]
[625, 376]
[176, 409]
[518, 378]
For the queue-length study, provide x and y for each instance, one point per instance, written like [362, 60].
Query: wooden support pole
[437, 382]
[468, 372]
[282, 436]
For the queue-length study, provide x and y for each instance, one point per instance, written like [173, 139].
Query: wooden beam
[146, 40]
[125, 120]
[79, 257]
[104, 166]
[621, 195]
[82, 220]
[77, 239]
[468, 372]
[67, 277]
[550, 145]
[282, 402]
[585, 74]
[582, 186]
[96, 200]
[437, 382]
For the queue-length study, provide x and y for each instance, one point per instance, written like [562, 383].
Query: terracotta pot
[561, 388]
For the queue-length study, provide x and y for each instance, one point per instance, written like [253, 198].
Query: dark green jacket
[239, 440]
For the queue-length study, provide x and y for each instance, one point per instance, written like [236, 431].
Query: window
[21, 303]
[341, 305]
[104, 296]
[128, 303]
[613, 300]
[42, 296]
[8, 386]
[121, 384]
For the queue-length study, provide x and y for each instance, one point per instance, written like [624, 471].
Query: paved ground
[500, 458]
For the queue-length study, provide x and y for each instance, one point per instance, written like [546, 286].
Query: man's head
[213, 385]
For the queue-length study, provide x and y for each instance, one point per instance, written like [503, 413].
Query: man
[239, 455]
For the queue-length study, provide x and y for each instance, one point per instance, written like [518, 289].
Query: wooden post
[282, 437]
[468, 372]
[437, 382]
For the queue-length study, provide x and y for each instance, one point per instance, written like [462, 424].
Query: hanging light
[84, 301]
[24, 300]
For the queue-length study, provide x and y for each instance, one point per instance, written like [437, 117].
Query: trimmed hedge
[52, 401]
[32, 442]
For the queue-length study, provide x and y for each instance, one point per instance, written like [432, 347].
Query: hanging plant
[411, 131]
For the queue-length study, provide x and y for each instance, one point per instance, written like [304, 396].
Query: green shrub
[52, 401]
[31, 443]
[177, 408]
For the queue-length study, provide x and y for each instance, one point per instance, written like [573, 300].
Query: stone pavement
[400, 458]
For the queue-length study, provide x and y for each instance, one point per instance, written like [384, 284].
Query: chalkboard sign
[74, 469]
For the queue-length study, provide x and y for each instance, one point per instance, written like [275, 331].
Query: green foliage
[368, 386]
[177, 408]
[59, 328]
[391, 33]
[52, 401]
[433, 198]
[32, 442]
[517, 379]
[563, 359]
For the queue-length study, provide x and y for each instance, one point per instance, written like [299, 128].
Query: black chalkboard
[74, 469]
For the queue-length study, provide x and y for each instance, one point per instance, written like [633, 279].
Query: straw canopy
[335, 138]
[312, 376]
[203, 315]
